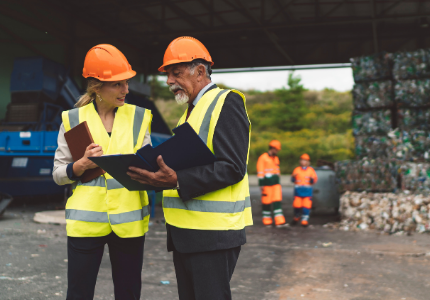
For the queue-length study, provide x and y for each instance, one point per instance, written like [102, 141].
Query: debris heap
[387, 212]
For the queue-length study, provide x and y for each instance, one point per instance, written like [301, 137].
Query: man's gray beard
[181, 98]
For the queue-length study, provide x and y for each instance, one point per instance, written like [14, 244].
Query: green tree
[289, 106]
[286, 110]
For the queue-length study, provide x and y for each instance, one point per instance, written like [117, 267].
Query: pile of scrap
[387, 212]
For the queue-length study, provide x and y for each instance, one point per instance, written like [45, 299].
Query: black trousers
[205, 275]
[84, 258]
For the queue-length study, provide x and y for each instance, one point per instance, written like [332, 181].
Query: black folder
[182, 151]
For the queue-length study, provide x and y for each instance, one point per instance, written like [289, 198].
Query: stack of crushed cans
[388, 212]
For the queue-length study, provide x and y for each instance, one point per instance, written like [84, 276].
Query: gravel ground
[292, 263]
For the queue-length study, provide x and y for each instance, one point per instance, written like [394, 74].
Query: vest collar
[203, 91]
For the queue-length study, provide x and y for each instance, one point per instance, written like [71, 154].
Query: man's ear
[201, 70]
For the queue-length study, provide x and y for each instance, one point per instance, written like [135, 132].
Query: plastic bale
[372, 67]
[410, 65]
[371, 123]
[367, 174]
[413, 119]
[373, 94]
[413, 92]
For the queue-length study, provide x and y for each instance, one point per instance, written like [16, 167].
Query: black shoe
[294, 222]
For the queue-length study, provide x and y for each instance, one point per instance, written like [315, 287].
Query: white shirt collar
[202, 92]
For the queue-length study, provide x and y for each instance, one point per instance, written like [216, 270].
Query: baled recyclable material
[407, 146]
[373, 94]
[413, 119]
[373, 146]
[416, 177]
[367, 174]
[408, 65]
[413, 145]
[371, 122]
[412, 92]
[372, 67]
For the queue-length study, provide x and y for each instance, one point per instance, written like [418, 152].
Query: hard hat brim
[118, 77]
[178, 61]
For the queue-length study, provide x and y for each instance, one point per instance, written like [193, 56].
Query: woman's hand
[80, 166]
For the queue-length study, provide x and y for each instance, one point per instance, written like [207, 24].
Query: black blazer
[230, 144]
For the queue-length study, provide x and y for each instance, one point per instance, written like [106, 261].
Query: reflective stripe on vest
[113, 184]
[138, 119]
[99, 181]
[207, 205]
[127, 217]
[204, 128]
[87, 216]
[102, 217]
[74, 117]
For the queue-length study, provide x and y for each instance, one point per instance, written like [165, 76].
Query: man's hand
[165, 177]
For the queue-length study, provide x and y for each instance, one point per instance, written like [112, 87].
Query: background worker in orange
[303, 178]
[269, 181]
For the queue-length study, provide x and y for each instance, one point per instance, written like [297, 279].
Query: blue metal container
[26, 162]
[27, 157]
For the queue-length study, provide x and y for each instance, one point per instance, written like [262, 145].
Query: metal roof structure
[237, 33]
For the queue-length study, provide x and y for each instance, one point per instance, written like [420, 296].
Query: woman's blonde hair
[92, 86]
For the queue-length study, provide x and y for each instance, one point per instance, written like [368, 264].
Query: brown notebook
[78, 139]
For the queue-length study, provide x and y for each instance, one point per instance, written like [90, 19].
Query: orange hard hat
[275, 144]
[305, 157]
[106, 63]
[184, 49]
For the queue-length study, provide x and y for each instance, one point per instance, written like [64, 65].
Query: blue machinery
[40, 90]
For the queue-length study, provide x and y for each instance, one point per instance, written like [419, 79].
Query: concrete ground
[293, 263]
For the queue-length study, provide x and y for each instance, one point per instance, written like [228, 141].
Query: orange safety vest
[303, 178]
[268, 170]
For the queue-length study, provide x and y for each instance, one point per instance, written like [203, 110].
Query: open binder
[182, 151]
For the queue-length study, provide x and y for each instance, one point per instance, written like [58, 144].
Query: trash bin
[325, 193]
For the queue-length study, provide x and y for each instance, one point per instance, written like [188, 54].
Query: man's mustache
[175, 87]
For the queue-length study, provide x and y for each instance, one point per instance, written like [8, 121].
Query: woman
[102, 211]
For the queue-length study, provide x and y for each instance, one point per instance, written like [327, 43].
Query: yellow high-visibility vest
[103, 204]
[225, 209]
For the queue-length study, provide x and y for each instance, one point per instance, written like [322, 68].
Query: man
[303, 178]
[269, 181]
[207, 213]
